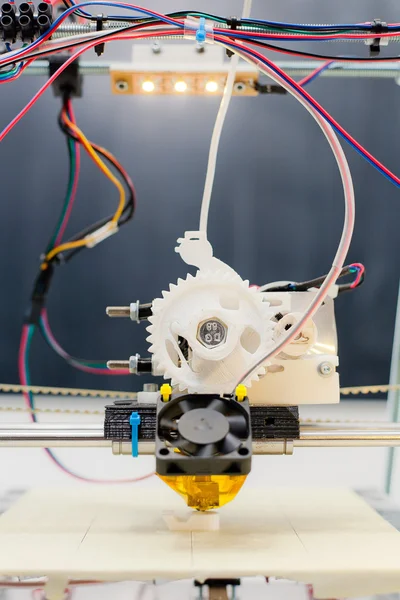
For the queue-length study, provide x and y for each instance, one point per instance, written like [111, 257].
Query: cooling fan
[203, 435]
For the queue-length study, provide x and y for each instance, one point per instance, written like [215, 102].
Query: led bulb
[181, 86]
[148, 86]
[211, 86]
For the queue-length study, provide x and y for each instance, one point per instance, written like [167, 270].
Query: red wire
[262, 58]
[51, 79]
[61, 352]
[75, 183]
[361, 270]
[313, 102]
[314, 73]
[21, 365]
[53, 458]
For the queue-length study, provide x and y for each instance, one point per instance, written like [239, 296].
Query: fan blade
[238, 425]
[168, 423]
[186, 446]
[229, 444]
[186, 405]
[218, 405]
[206, 451]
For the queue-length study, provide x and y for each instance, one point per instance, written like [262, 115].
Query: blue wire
[311, 27]
[73, 8]
[316, 75]
[344, 136]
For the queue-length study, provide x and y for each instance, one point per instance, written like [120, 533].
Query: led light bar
[180, 70]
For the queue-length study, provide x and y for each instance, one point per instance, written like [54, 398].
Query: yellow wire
[103, 167]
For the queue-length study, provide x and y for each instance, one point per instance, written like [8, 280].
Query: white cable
[348, 224]
[216, 134]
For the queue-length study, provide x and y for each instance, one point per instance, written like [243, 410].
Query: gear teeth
[164, 307]
[150, 320]
[156, 304]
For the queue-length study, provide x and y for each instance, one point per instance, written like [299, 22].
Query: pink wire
[61, 352]
[314, 73]
[53, 458]
[51, 79]
[361, 271]
[243, 47]
[78, 477]
[21, 364]
[75, 184]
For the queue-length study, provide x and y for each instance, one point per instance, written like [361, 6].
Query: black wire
[129, 207]
[339, 58]
[265, 45]
[304, 286]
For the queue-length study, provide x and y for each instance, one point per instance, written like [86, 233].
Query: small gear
[207, 330]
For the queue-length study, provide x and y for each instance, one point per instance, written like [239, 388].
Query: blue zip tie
[135, 422]
[201, 33]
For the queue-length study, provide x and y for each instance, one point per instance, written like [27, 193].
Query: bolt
[117, 364]
[212, 333]
[326, 369]
[156, 48]
[118, 311]
[239, 87]
[122, 85]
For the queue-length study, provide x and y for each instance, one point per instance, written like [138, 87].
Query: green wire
[72, 171]
[31, 331]
[73, 359]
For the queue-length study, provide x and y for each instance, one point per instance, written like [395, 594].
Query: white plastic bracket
[196, 250]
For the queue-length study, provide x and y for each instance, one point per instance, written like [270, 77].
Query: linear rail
[380, 70]
[46, 435]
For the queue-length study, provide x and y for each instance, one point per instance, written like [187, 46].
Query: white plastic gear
[221, 295]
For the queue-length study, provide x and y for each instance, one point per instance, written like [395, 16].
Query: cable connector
[200, 30]
[69, 81]
[233, 23]
[375, 44]
[269, 88]
[101, 234]
[100, 19]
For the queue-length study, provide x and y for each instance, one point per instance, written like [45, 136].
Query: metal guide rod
[45, 435]
[295, 68]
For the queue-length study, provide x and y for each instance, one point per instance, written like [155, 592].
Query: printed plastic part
[195, 521]
[196, 250]
[135, 422]
[206, 330]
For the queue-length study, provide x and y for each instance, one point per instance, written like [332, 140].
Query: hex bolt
[326, 369]
[212, 333]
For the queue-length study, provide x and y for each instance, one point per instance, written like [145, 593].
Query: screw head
[326, 369]
[122, 85]
[212, 333]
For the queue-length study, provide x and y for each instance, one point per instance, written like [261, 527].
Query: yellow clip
[241, 392]
[165, 391]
